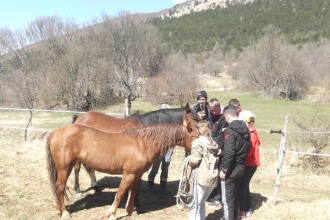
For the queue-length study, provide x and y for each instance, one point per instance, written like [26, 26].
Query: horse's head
[190, 116]
[190, 121]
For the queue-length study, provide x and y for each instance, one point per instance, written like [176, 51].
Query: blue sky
[18, 13]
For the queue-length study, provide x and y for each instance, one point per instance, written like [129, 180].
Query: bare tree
[262, 63]
[26, 72]
[314, 134]
[176, 85]
[272, 67]
[295, 82]
[72, 59]
[133, 46]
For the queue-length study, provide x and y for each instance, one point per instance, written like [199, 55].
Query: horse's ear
[188, 110]
[189, 127]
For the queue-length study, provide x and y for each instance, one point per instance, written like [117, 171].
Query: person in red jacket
[252, 161]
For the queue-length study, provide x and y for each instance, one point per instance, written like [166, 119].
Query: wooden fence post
[127, 113]
[281, 154]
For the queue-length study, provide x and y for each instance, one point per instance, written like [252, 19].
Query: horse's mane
[172, 116]
[159, 136]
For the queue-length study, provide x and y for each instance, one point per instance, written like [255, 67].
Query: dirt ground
[25, 191]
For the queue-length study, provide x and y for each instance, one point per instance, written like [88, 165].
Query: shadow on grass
[148, 201]
[257, 201]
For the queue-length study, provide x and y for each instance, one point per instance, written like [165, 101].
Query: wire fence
[58, 111]
[43, 110]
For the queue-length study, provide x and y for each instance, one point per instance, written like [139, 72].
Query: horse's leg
[125, 183]
[133, 195]
[136, 198]
[76, 178]
[62, 177]
[91, 174]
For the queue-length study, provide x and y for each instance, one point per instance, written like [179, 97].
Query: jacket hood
[210, 146]
[237, 126]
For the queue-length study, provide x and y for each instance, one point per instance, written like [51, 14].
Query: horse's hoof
[112, 217]
[79, 195]
[66, 215]
[108, 213]
[134, 213]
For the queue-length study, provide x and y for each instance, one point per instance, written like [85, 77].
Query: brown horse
[130, 153]
[104, 122]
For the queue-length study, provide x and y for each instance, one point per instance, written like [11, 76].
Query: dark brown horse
[130, 153]
[104, 122]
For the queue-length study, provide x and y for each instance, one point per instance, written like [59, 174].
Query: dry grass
[25, 191]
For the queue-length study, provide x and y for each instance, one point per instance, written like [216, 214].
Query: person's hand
[222, 175]
[219, 152]
[223, 129]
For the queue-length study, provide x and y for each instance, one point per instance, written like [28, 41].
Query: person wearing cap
[252, 161]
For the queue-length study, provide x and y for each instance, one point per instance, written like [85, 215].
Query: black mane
[172, 116]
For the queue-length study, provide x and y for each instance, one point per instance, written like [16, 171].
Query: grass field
[25, 192]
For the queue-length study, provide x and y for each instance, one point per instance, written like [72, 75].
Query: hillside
[197, 6]
[236, 26]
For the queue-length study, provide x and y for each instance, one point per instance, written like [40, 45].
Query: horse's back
[164, 115]
[99, 150]
[104, 122]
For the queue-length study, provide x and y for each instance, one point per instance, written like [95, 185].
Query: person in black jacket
[217, 123]
[236, 146]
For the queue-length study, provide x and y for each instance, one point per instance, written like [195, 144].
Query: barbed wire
[294, 131]
[306, 153]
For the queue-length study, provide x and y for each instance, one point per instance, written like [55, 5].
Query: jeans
[197, 207]
[165, 161]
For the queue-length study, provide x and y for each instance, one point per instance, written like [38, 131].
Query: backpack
[208, 170]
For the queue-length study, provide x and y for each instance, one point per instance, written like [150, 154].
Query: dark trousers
[230, 197]
[244, 189]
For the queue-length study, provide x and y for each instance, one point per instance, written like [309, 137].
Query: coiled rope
[188, 180]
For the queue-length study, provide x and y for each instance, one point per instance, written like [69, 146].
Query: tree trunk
[27, 125]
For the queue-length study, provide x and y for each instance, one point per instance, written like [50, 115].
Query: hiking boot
[163, 188]
[214, 203]
[151, 186]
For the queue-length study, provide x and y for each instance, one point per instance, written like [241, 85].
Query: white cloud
[179, 1]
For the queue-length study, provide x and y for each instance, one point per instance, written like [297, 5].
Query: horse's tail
[74, 118]
[52, 172]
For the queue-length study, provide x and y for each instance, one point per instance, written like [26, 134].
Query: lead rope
[186, 196]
